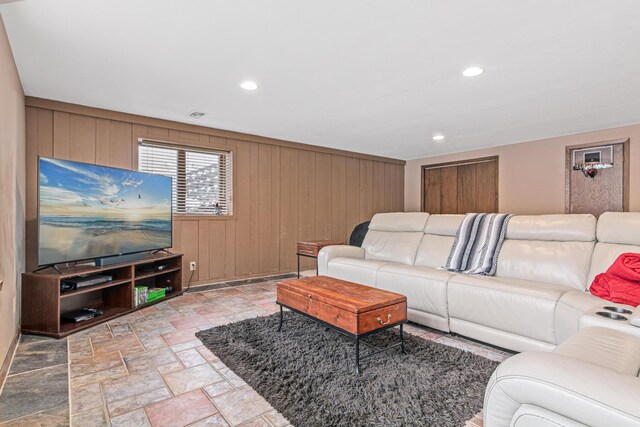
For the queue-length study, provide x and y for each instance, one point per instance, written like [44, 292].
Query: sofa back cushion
[399, 221]
[553, 249]
[617, 233]
[395, 237]
[439, 234]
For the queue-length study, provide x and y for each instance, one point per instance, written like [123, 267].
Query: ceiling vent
[195, 115]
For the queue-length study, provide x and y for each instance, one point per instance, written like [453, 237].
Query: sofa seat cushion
[520, 307]
[355, 270]
[604, 347]
[425, 288]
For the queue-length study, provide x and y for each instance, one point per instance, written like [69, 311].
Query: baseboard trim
[240, 277]
[6, 364]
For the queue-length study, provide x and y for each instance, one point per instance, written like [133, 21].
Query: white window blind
[202, 179]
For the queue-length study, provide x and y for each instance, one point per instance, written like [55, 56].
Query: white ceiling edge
[374, 77]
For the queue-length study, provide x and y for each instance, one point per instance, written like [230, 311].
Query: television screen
[88, 211]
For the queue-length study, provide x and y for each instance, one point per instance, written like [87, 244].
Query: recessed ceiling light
[249, 85]
[473, 71]
[438, 137]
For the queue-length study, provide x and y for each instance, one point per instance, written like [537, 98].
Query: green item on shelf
[141, 295]
[155, 294]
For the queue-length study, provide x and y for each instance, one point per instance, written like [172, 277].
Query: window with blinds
[202, 179]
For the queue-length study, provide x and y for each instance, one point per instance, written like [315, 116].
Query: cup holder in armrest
[611, 315]
[617, 309]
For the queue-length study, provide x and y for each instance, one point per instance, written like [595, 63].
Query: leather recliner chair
[591, 379]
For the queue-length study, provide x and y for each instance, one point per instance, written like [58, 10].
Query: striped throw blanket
[477, 244]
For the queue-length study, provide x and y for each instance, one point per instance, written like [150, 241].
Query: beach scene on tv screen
[89, 211]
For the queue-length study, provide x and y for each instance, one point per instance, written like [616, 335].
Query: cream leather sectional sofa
[535, 300]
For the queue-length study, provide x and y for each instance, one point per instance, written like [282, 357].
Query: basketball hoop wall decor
[591, 160]
[597, 177]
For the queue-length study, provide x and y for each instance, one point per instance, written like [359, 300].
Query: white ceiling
[374, 76]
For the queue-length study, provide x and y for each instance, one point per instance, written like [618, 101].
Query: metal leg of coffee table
[298, 266]
[281, 314]
[401, 338]
[357, 355]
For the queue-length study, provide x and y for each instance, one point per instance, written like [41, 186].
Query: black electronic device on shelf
[83, 282]
[82, 315]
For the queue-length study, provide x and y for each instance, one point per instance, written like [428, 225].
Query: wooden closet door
[449, 192]
[440, 190]
[466, 189]
[432, 190]
[486, 184]
[461, 187]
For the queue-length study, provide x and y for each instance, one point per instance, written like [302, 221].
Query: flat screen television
[87, 211]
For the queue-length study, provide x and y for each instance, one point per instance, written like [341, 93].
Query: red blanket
[621, 282]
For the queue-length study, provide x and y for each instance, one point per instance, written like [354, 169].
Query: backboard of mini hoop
[593, 158]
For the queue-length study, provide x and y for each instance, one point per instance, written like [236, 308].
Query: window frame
[194, 145]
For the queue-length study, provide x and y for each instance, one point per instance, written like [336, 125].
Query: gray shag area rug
[306, 372]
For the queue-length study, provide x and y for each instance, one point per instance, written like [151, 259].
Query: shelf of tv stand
[108, 313]
[166, 297]
[94, 288]
[43, 304]
[154, 273]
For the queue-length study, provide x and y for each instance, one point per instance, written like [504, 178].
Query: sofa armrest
[574, 389]
[328, 253]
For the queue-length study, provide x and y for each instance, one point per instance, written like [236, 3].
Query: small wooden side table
[310, 249]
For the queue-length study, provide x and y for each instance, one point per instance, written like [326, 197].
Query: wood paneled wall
[283, 191]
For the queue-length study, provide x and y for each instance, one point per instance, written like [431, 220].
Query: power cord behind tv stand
[189, 282]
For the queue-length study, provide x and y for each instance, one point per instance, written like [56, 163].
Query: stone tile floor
[148, 369]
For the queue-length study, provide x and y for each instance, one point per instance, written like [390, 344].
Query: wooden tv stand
[43, 304]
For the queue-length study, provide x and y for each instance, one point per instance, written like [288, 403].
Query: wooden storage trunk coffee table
[352, 309]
